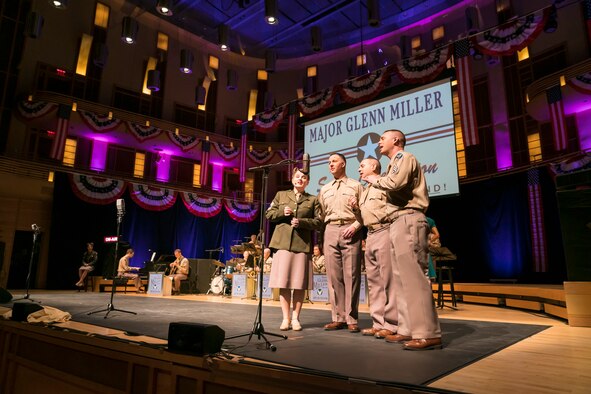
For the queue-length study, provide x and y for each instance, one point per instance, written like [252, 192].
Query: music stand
[36, 232]
[257, 328]
[110, 306]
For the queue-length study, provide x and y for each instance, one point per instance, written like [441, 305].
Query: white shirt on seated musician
[179, 270]
[267, 262]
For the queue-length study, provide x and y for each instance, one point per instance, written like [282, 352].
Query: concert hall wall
[75, 222]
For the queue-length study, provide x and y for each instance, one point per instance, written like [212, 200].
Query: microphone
[34, 227]
[222, 249]
[121, 206]
[305, 164]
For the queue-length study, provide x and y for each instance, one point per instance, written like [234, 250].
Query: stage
[340, 355]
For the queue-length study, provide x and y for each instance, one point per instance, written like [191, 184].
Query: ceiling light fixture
[164, 7]
[270, 60]
[129, 29]
[271, 12]
[153, 82]
[187, 58]
[373, 13]
[59, 4]
[316, 34]
[223, 31]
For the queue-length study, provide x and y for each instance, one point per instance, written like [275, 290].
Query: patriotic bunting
[204, 207]
[317, 103]
[227, 152]
[96, 190]
[259, 156]
[578, 162]
[466, 92]
[28, 110]
[205, 147]
[152, 198]
[141, 132]
[184, 142]
[365, 87]
[61, 132]
[556, 110]
[536, 215]
[512, 36]
[268, 121]
[581, 83]
[241, 212]
[99, 123]
[243, 149]
[423, 68]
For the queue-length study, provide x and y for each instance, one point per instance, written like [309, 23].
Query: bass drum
[217, 284]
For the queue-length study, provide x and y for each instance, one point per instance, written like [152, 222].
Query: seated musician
[179, 269]
[124, 270]
[255, 242]
[88, 261]
[246, 264]
[267, 261]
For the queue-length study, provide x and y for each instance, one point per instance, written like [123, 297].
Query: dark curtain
[76, 222]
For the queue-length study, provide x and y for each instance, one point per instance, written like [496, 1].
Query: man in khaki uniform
[406, 189]
[342, 245]
[374, 212]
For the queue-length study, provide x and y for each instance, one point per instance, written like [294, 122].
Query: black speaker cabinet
[22, 310]
[195, 338]
[5, 296]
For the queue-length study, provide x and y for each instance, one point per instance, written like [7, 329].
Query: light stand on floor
[36, 232]
[110, 307]
[257, 328]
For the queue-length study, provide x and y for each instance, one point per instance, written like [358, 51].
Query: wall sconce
[373, 13]
[153, 82]
[59, 4]
[200, 95]
[164, 7]
[472, 20]
[316, 35]
[271, 12]
[270, 60]
[129, 29]
[232, 82]
[223, 31]
[101, 54]
[186, 61]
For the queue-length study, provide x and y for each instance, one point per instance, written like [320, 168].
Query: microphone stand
[257, 328]
[36, 232]
[110, 307]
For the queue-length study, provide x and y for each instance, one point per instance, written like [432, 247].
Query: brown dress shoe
[335, 325]
[423, 344]
[353, 327]
[398, 338]
[380, 334]
[369, 331]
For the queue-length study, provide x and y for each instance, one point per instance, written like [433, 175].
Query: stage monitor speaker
[195, 338]
[5, 296]
[22, 310]
[205, 269]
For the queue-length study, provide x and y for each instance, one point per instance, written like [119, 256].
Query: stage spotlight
[129, 29]
[373, 13]
[316, 34]
[223, 37]
[59, 4]
[271, 12]
[552, 22]
[164, 7]
[186, 61]
[153, 82]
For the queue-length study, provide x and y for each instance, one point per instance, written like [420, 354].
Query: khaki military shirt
[334, 198]
[374, 207]
[404, 183]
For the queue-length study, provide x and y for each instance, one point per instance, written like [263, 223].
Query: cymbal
[218, 263]
[237, 249]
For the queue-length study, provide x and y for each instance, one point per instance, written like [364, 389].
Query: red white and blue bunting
[259, 156]
[317, 103]
[96, 190]
[285, 155]
[365, 87]
[99, 123]
[241, 211]
[141, 132]
[185, 142]
[512, 36]
[581, 84]
[227, 152]
[204, 207]
[268, 121]
[28, 110]
[423, 68]
[152, 198]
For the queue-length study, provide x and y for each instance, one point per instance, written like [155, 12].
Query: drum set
[221, 280]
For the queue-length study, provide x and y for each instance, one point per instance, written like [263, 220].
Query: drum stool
[440, 282]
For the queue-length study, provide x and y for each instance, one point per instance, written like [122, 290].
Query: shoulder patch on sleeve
[399, 155]
[394, 169]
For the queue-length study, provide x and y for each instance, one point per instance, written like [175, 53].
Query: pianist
[179, 269]
[125, 271]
